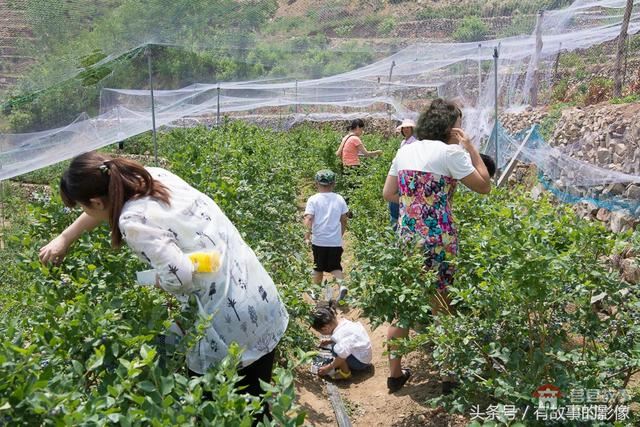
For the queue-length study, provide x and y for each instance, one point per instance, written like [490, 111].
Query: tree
[617, 88]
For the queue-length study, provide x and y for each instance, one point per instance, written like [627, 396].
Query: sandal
[395, 383]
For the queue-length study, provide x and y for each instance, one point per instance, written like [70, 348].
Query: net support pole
[536, 60]
[555, 71]
[218, 108]
[514, 160]
[153, 108]
[393, 64]
[479, 72]
[626, 57]
[495, 84]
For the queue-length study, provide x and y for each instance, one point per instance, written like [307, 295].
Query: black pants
[261, 369]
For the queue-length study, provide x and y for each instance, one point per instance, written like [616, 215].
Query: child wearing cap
[326, 218]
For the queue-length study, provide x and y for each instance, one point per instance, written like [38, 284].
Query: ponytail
[93, 175]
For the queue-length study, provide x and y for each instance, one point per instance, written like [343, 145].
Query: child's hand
[324, 370]
[325, 342]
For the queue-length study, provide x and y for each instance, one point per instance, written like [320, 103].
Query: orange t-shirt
[350, 151]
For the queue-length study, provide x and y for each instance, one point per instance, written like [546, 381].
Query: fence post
[153, 108]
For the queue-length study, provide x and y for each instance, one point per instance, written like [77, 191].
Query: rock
[603, 215]
[620, 149]
[633, 192]
[630, 270]
[622, 221]
[536, 192]
[617, 158]
[616, 189]
[585, 210]
[603, 155]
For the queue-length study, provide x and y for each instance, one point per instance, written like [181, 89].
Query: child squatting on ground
[349, 342]
[326, 218]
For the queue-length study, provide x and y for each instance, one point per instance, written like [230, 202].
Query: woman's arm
[158, 248]
[55, 251]
[390, 190]
[479, 180]
[363, 151]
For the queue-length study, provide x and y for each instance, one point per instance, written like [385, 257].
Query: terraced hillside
[14, 30]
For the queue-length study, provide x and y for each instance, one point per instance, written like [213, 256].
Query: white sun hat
[406, 123]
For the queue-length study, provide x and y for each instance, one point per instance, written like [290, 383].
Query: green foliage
[572, 60]
[387, 25]
[548, 123]
[520, 25]
[89, 308]
[487, 9]
[526, 273]
[471, 29]
[634, 97]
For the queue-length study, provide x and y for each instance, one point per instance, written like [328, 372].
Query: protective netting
[199, 88]
[569, 179]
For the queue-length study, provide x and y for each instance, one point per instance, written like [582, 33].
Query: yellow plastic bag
[206, 262]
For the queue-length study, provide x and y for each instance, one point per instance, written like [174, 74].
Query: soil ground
[365, 396]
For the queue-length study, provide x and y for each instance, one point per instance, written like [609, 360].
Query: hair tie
[104, 167]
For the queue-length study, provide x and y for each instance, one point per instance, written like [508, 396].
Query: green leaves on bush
[471, 29]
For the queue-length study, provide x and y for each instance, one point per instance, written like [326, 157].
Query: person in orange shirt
[351, 147]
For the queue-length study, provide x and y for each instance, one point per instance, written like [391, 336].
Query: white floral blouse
[241, 296]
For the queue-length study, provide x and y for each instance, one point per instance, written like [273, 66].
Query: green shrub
[634, 97]
[387, 25]
[520, 25]
[471, 29]
[559, 91]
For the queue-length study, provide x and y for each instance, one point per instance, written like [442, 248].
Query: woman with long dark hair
[194, 249]
[351, 147]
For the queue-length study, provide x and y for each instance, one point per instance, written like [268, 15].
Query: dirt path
[366, 397]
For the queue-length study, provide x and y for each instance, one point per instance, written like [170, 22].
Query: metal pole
[393, 64]
[218, 108]
[555, 72]
[495, 83]
[479, 73]
[153, 108]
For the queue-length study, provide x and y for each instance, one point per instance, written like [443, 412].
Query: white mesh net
[394, 87]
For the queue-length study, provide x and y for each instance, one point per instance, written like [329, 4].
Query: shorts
[353, 362]
[356, 365]
[327, 258]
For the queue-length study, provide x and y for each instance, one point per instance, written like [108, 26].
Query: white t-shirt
[241, 297]
[326, 208]
[351, 338]
[434, 157]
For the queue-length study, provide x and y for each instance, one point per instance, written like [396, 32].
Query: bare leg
[395, 362]
[317, 277]
[337, 274]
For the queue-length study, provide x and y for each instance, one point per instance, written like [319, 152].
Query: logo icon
[547, 395]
